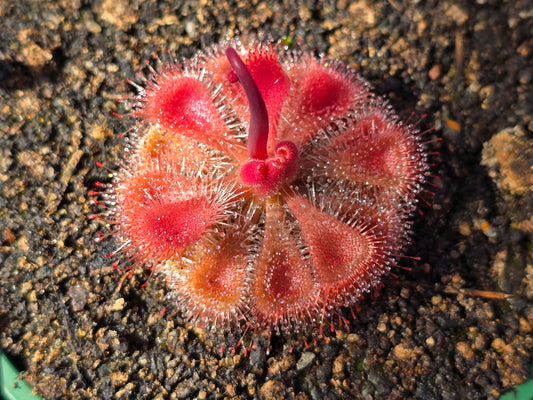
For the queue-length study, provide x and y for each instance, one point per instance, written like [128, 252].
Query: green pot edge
[11, 386]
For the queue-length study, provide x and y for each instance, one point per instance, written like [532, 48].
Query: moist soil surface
[455, 321]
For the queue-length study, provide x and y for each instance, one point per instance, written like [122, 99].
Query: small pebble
[305, 360]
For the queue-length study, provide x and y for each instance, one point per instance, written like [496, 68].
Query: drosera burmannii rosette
[271, 187]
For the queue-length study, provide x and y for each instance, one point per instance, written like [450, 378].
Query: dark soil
[456, 324]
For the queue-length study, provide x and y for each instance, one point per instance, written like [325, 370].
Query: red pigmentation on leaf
[162, 214]
[271, 81]
[269, 187]
[338, 251]
[209, 279]
[181, 103]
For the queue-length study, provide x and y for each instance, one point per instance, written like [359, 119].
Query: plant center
[262, 172]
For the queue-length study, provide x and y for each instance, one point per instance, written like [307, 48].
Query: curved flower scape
[270, 186]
